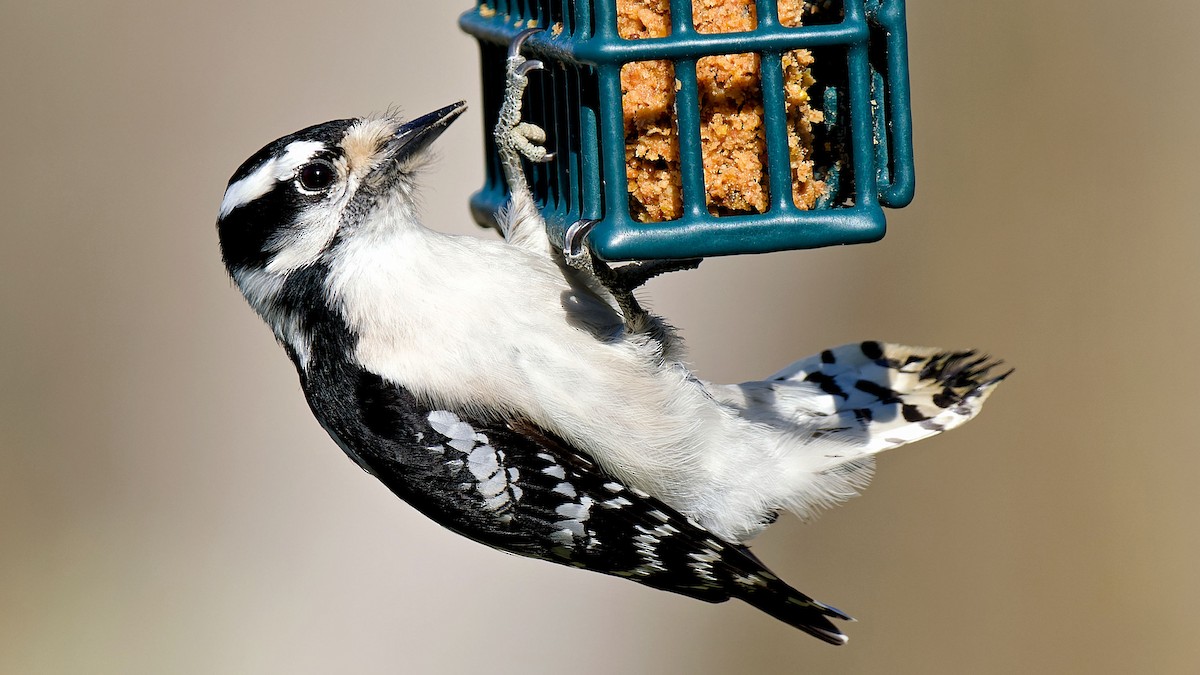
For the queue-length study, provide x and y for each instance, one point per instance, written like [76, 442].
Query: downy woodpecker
[532, 405]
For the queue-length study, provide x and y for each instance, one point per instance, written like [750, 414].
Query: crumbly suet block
[732, 133]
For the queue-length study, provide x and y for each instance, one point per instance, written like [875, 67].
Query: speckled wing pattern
[517, 489]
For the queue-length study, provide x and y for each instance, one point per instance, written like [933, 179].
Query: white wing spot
[646, 545]
[441, 420]
[493, 486]
[571, 527]
[574, 516]
[496, 503]
[616, 503]
[492, 483]
[703, 570]
[749, 580]
[483, 462]
[577, 512]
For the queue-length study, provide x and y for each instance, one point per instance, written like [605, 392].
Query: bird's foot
[514, 137]
[619, 281]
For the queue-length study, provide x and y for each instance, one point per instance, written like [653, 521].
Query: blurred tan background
[167, 504]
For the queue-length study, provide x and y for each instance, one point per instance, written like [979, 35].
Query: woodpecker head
[288, 203]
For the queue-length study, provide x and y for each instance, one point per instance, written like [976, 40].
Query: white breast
[483, 326]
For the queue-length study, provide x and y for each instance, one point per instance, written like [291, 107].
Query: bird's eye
[317, 175]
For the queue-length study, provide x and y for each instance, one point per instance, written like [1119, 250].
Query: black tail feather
[798, 610]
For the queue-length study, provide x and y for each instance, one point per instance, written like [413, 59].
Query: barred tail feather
[830, 414]
[888, 395]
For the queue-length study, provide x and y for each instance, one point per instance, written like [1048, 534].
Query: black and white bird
[531, 405]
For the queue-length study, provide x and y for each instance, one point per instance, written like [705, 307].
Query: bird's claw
[528, 66]
[575, 249]
[514, 47]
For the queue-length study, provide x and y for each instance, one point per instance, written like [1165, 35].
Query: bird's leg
[619, 281]
[636, 318]
[520, 222]
[515, 138]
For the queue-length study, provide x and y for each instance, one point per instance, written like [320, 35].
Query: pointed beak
[416, 135]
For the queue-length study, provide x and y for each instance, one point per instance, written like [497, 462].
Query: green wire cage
[860, 143]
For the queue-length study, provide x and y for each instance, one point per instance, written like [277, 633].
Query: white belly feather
[506, 342]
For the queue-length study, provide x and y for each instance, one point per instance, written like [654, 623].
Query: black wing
[515, 488]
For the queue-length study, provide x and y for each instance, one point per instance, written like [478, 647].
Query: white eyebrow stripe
[264, 177]
[249, 188]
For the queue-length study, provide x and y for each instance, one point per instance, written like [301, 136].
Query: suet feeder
[832, 121]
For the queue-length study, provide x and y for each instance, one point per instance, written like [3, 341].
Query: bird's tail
[840, 408]
[888, 395]
[881, 396]
[768, 593]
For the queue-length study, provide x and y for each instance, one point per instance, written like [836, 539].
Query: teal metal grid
[862, 77]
